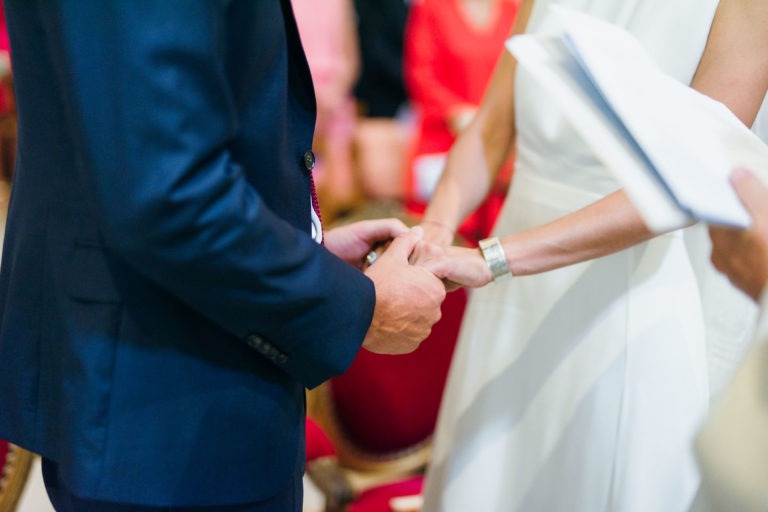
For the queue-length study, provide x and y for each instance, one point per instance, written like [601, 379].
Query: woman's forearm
[604, 227]
[478, 153]
[481, 149]
[464, 184]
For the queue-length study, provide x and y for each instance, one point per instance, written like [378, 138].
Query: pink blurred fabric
[330, 42]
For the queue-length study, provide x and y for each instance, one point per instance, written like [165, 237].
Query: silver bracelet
[494, 256]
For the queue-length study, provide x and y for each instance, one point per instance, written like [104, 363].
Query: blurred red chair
[15, 463]
[379, 418]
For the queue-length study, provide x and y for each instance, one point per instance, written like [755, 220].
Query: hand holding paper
[455, 266]
[742, 255]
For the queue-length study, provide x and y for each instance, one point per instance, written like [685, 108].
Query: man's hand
[456, 266]
[742, 255]
[408, 299]
[353, 242]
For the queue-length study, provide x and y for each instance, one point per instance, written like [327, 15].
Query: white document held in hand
[671, 147]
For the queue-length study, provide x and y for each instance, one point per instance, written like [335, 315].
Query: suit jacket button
[254, 341]
[309, 160]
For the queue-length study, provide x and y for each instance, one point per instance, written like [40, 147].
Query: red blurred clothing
[5, 44]
[448, 63]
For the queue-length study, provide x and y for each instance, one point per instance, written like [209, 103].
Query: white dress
[580, 389]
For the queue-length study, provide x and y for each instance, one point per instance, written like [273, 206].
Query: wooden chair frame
[364, 469]
[13, 477]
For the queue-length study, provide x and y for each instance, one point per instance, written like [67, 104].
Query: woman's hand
[455, 266]
[742, 255]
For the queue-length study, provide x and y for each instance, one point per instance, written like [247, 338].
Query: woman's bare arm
[734, 67]
[479, 152]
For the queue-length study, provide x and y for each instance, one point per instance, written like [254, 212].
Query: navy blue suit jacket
[162, 304]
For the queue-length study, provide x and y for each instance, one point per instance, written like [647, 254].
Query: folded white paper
[671, 147]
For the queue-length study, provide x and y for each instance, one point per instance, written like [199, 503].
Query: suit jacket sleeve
[154, 112]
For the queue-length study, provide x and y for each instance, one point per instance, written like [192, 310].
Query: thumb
[403, 245]
[750, 190]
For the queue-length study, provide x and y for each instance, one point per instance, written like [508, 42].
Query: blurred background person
[384, 122]
[451, 50]
[329, 37]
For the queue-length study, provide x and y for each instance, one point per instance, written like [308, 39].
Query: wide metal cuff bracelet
[494, 256]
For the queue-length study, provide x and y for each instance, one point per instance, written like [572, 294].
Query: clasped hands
[412, 275]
